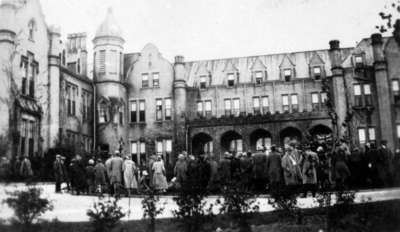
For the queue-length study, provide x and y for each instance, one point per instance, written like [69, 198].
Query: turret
[338, 88]
[386, 119]
[55, 52]
[111, 92]
[180, 102]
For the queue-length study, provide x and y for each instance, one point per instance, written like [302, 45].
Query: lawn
[377, 216]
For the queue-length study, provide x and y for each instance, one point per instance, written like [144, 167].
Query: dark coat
[100, 174]
[224, 170]
[77, 174]
[259, 165]
[274, 167]
[180, 171]
[246, 168]
[60, 171]
[212, 183]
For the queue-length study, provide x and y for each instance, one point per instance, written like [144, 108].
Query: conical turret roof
[109, 26]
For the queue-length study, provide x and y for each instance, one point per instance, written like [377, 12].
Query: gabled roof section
[202, 69]
[286, 62]
[258, 65]
[316, 59]
[230, 67]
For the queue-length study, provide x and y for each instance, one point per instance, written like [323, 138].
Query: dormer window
[287, 74]
[203, 82]
[259, 77]
[231, 80]
[358, 60]
[317, 73]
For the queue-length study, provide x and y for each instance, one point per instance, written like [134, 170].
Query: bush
[239, 204]
[149, 205]
[105, 215]
[284, 198]
[28, 205]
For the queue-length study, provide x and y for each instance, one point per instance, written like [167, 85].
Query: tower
[111, 92]
[179, 88]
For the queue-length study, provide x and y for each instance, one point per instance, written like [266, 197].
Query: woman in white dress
[159, 179]
[129, 169]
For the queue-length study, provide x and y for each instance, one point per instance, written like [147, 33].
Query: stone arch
[289, 134]
[202, 143]
[260, 138]
[320, 133]
[231, 141]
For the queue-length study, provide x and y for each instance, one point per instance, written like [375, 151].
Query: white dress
[129, 169]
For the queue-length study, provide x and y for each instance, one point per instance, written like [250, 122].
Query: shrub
[105, 215]
[284, 198]
[150, 210]
[238, 203]
[28, 205]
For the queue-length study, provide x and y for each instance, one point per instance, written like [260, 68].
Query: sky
[211, 29]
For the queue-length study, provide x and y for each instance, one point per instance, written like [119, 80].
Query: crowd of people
[304, 167]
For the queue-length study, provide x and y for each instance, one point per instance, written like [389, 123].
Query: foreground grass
[377, 216]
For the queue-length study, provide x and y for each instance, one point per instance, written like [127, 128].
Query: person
[108, 174]
[144, 182]
[291, 167]
[323, 169]
[25, 170]
[78, 175]
[259, 171]
[246, 167]
[129, 170]
[100, 173]
[341, 170]
[159, 179]
[90, 177]
[356, 168]
[274, 168]
[60, 172]
[115, 171]
[235, 165]
[224, 169]
[384, 164]
[204, 172]
[309, 172]
[396, 167]
[180, 170]
[152, 159]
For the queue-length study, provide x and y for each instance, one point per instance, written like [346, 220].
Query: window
[79, 66]
[142, 112]
[168, 109]
[361, 136]
[142, 148]
[395, 86]
[256, 105]
[287, 74]
[86, 105]
[200, 108]
[371, 134]
[133, 111]
[113, 61]
[74, 93]
[315, 101]
[262, 143]
[159, 147]
[231, 79]
[134, 151]
[159, 109]
[203, 82]
[23, 134]
[236, 145]
[168, 145]
[156, 79]
[145, 80]
[259, 77]
[102, 61]
[121, 115]
[29, 70]
[367, 94]
[71, 92]
[357, 95]
[398, 131]
[295, 103]
[265, 104]
[24, 74]
[31, 30]
[358, 60]
[285, 103]
[317, 73]
[228, 108]
[71, 66]
[324, 97]
[103, 113]
[236, 106]
[208, 109]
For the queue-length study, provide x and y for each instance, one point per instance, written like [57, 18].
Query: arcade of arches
[257, 139]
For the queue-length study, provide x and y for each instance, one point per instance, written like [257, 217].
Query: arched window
[103, 114]
[31, 29]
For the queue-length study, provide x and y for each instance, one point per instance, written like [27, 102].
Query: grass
[376, 216]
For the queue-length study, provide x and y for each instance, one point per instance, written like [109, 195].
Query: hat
[58, 156]
[91, 161]
[145, 173]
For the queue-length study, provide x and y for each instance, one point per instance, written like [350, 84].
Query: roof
[109, 27]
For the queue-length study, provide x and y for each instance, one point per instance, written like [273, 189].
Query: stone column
[180, 133]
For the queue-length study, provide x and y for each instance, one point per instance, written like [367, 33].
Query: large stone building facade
[143, 104]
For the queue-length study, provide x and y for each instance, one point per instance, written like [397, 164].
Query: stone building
[143, 104]
[46, 96]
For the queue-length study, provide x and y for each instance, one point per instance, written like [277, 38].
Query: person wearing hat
[180, 171]
[291, 167]
[60, 172]
[25, 170]
[129, 169]
[90, 177]
[159, 179]
[259, 171]
[274, 168]
[224, 169]
[385, 164]
[115, 172]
